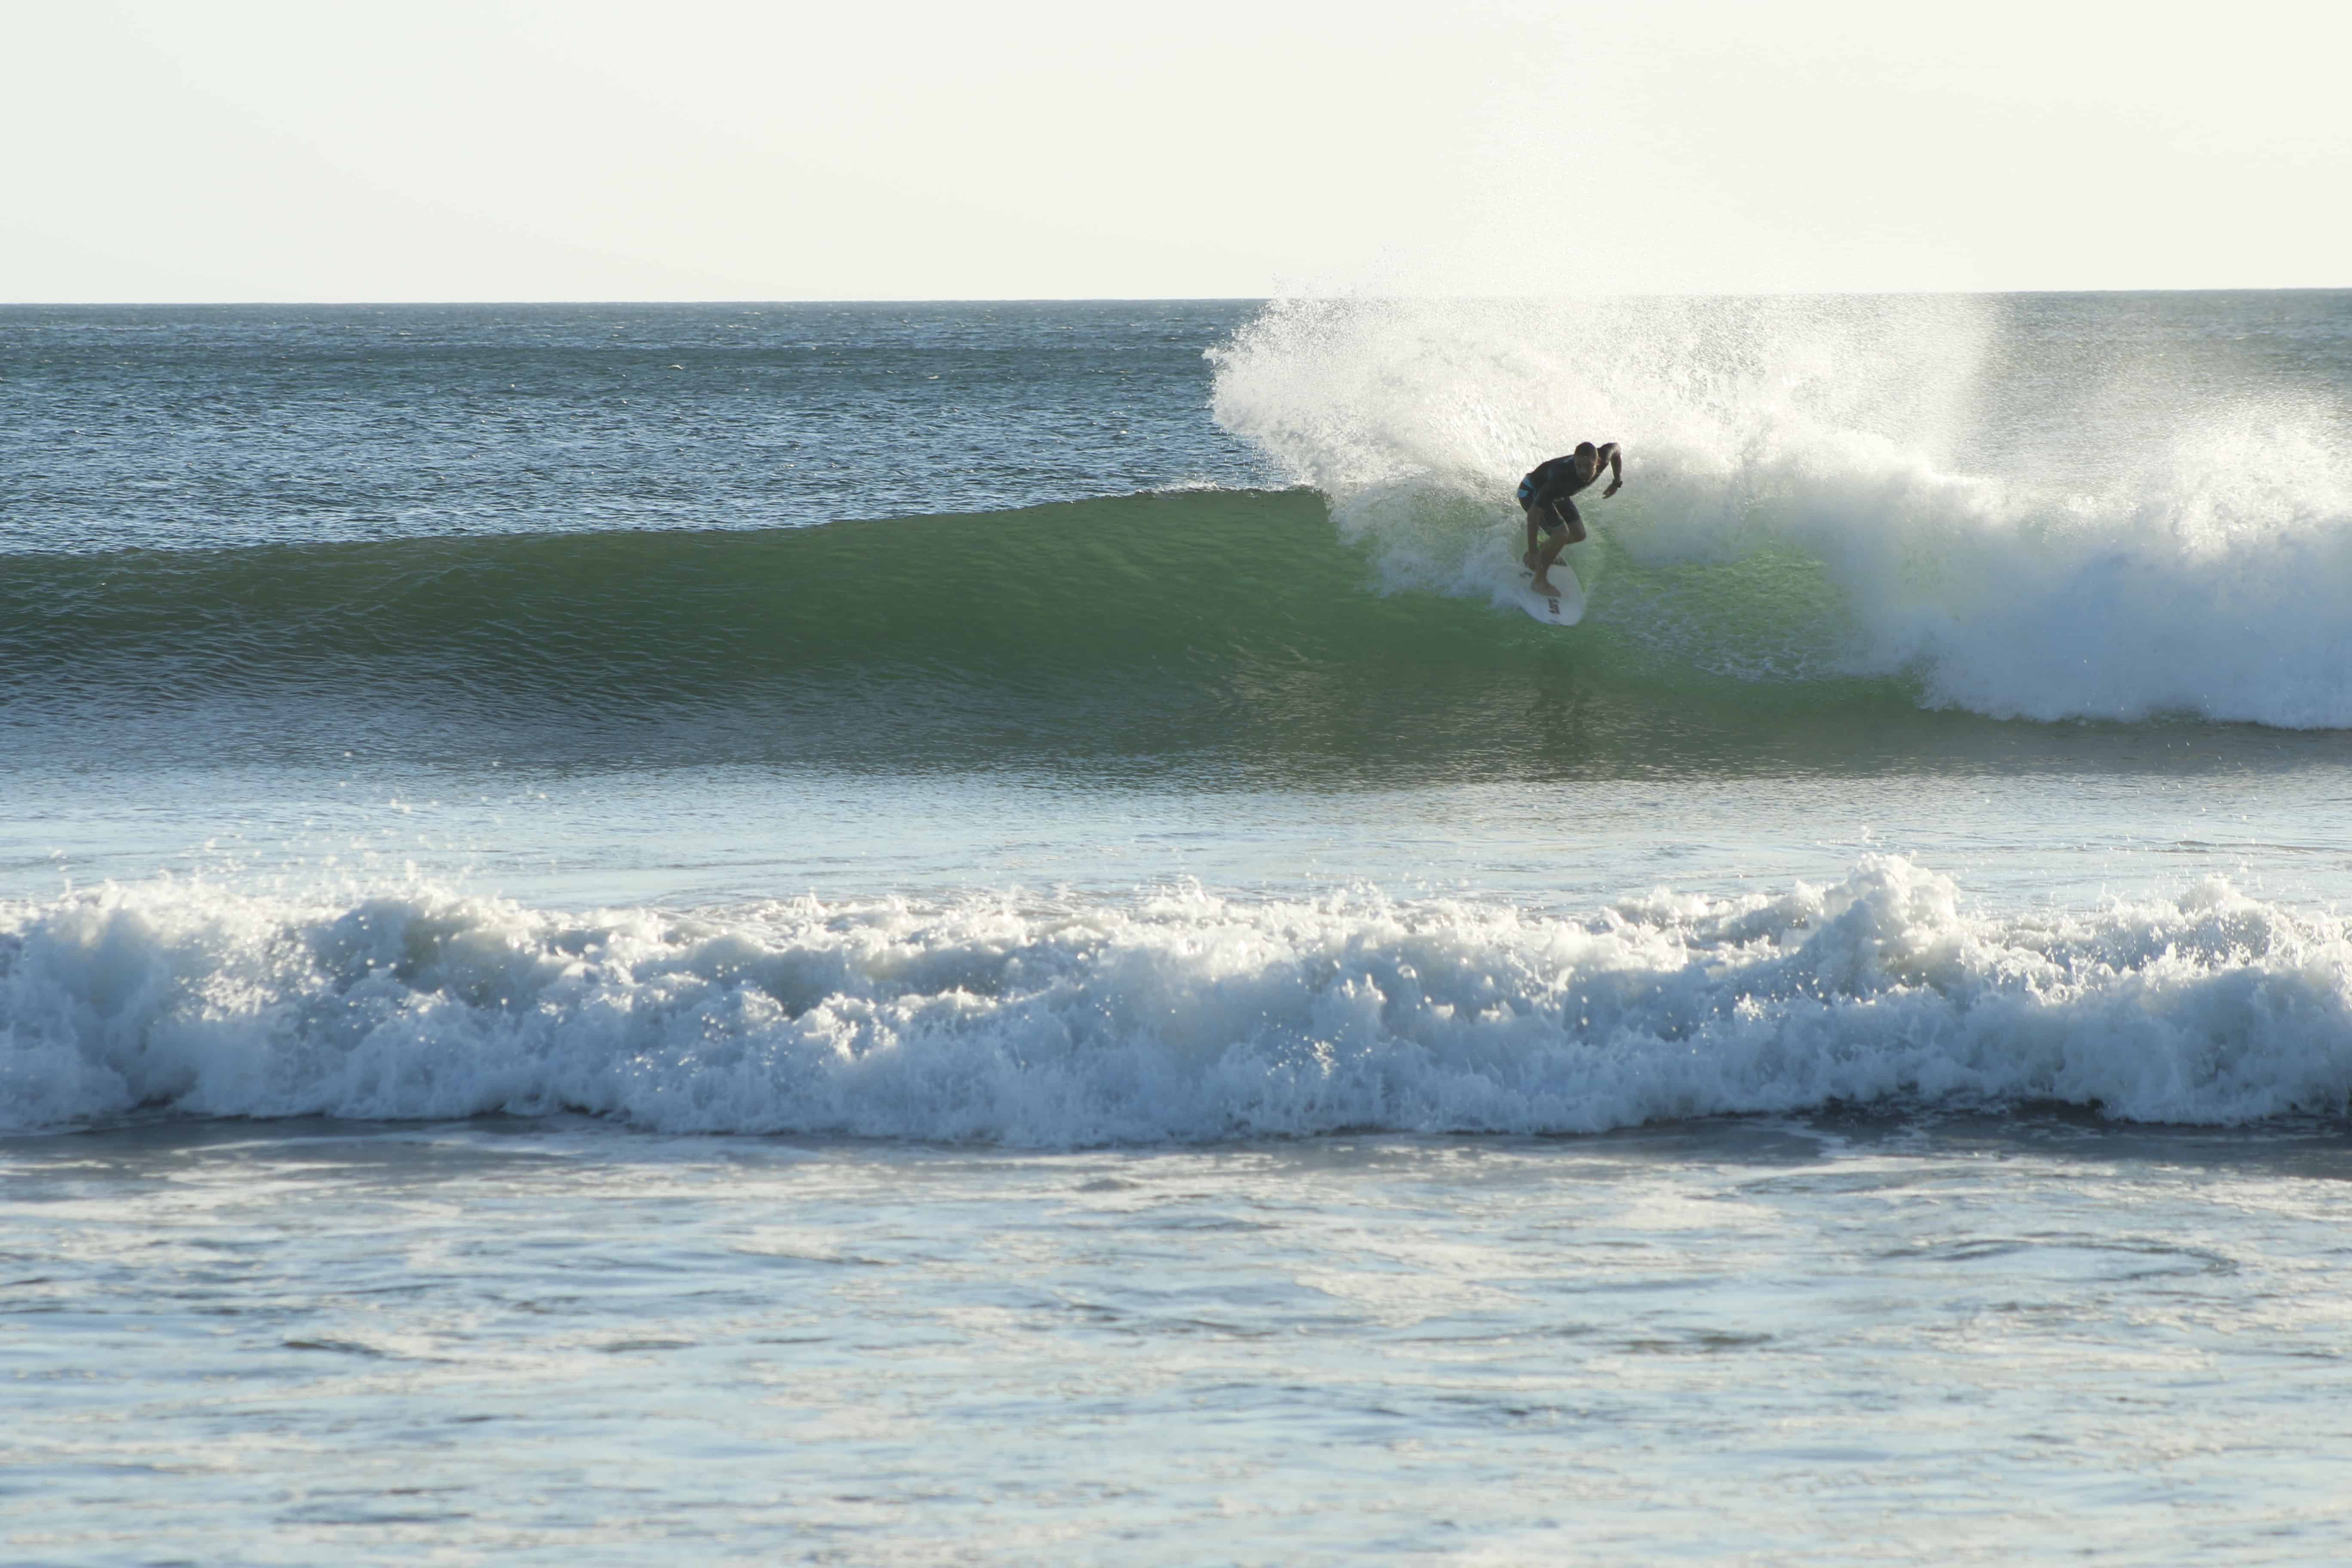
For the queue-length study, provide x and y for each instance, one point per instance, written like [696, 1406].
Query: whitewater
[1936, 487]
[973, 932]
[1185, 1018]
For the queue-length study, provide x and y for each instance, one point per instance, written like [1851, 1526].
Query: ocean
[976, 932]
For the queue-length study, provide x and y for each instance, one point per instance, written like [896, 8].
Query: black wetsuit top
[1545, 492]
[1556, 480]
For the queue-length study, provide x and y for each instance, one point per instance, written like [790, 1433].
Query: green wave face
[1228, 635]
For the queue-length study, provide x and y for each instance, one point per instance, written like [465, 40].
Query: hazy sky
[173, 150]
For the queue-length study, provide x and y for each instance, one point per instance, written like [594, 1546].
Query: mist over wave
[2029, 513]
[1180, 1016]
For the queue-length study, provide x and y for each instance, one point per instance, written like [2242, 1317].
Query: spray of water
[2036, 515]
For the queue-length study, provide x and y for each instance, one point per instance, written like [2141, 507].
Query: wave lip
[1184, 1018]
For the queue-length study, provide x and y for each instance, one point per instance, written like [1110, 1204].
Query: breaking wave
[1177, 1017]
[1980, 500]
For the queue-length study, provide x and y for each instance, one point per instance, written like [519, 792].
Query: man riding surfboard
[1545, 492]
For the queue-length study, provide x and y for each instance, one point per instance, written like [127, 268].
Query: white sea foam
[1183, 1017]
[2122, 549]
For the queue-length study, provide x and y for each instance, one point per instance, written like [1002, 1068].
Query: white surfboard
[1564, 608]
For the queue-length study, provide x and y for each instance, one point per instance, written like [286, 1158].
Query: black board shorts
[1552, 516]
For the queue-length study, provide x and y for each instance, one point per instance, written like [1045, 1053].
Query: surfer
[1545, 494]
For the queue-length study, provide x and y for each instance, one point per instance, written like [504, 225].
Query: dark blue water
[206, 428]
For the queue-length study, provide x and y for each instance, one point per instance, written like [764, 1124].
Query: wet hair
[1587, 449]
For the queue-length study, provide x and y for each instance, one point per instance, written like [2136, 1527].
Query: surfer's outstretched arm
[1616, 461]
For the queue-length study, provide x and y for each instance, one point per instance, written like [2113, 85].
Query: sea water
[976, 934]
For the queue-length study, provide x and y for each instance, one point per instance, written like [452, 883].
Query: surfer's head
[1588, 459]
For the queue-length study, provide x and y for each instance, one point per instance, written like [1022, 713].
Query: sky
[495, 149]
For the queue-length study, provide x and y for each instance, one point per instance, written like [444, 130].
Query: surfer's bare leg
[1539, 561]
[1543, 563]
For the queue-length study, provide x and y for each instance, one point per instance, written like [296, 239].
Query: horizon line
[1149, 299]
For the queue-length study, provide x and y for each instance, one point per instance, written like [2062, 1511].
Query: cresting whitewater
[1863, 541]
[1185, 1018]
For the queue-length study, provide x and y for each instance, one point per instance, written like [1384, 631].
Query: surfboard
[1564, 608]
